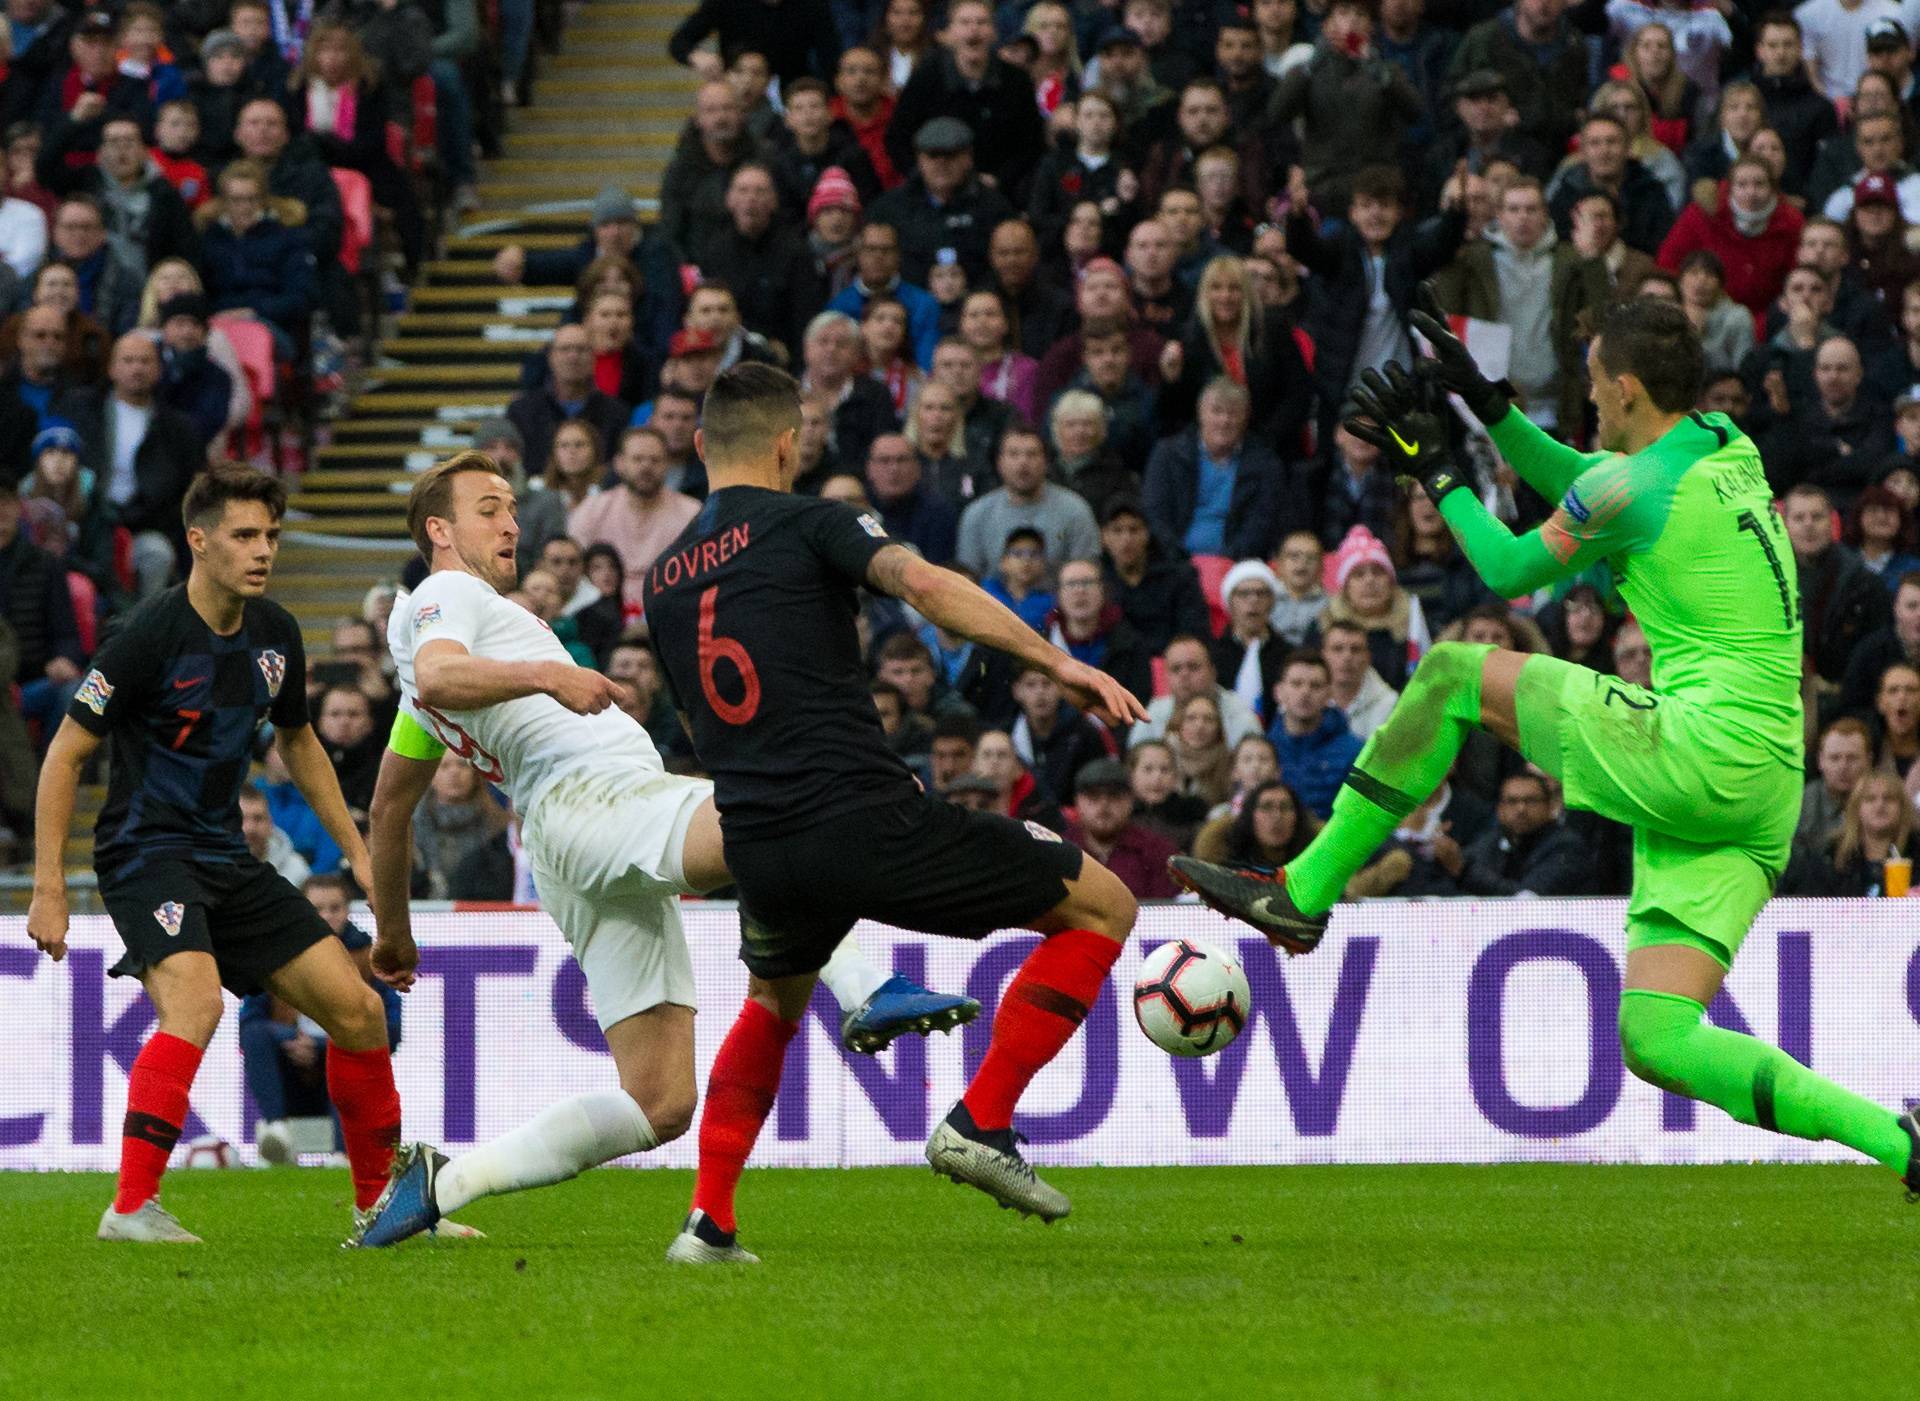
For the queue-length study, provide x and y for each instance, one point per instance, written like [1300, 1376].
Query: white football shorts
[606, 852]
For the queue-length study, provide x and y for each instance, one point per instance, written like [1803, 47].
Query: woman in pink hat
[1367, 592]
[833, 227]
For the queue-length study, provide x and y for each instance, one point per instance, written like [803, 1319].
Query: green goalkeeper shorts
[1712, 816]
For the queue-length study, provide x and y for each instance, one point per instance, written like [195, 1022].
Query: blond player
[614, 839]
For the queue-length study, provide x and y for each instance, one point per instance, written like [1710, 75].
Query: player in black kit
[752, 612]
[180, 690]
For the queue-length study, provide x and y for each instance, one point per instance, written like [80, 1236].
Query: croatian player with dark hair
[615, 841]
[180, 690]
[753, 610]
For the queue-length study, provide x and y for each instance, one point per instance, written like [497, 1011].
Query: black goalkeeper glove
[1454, 365]
[1406, 418]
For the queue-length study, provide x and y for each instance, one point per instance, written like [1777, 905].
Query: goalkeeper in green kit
[1706, 767]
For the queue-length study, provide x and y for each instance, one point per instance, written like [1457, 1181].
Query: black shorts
[918, 863]
[246, 914]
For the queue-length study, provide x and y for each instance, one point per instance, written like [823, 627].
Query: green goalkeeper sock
[1402, 764]
[1667, 1043]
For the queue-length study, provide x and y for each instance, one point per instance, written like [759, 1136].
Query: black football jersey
[179, 705]
[752, 613]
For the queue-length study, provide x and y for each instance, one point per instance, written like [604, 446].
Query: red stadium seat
[253, 345]
[426, 121]
[86, 616]
[123, 557]
[1159, 676]
[1212, 570]
[356, 200]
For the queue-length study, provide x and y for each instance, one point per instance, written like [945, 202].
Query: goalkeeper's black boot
[1256, 895]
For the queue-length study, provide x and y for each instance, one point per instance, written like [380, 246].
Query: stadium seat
[123, 558]
[356, 200]
[1212, 570]
[253, 344]
[425, 132]
[86, 609]
[1159, 676]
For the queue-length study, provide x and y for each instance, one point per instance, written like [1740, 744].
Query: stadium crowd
[191, 233]
[1076, 294]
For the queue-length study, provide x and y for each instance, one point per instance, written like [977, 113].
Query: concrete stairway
[606, 111]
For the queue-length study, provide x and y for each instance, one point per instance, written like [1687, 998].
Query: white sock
[851, 976]
[561, 1141]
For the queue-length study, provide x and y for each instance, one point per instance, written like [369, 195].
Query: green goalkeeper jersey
[1687, 525]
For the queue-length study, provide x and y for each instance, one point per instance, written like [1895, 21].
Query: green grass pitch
[1338, 1282]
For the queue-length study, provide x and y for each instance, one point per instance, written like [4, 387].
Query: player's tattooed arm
[954, 602]
[53, 817]
[402, 783]
[887, 572]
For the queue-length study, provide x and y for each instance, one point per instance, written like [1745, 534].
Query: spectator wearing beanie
[613, 232]
[34, 601]
[63, 508]
[1367, 593]
[1249, 654]
[1878, 228]
[833, 229]
[189, 380]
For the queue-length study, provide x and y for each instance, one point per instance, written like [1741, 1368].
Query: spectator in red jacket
[1755, 233]
[862, 101]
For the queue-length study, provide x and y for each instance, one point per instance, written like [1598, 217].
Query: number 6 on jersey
[712, 650]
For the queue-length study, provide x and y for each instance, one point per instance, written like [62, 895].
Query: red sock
[360, 1084]
[157, 1090]
[1046, 1001]
[740, 1091]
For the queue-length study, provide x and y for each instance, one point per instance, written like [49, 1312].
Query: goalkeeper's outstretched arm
[1544, 463]
[1512, 565]
[1601, 513]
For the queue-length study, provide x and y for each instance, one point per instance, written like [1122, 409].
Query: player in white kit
[614, 840]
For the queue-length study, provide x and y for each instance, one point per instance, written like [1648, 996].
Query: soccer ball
[210, 1151]
[1190, 998]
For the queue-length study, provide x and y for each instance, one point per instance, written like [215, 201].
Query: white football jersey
[522, 745]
